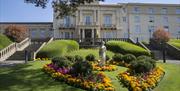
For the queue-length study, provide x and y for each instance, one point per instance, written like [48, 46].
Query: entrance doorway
[88, 36]
[88, 33]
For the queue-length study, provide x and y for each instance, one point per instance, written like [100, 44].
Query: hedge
[126, 48]
[175, 42]
[4, 41]
[57, 48]
[85, 52]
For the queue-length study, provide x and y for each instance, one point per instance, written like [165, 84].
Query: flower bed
[145, 82]
[120, 64]
[95, 82]
[96, 67]
[42, 59]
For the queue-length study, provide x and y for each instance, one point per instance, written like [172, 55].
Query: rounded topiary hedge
[57, 48]
[126, 48]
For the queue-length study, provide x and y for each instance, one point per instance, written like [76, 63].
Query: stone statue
[102, 54]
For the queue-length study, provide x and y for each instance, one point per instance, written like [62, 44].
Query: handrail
[50, 40]
[7, 51]
[35, 53]
[23, 44]
[143, 46]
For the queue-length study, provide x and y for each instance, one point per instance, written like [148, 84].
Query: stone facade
[123, 20]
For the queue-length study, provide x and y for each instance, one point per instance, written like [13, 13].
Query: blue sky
[18, 11]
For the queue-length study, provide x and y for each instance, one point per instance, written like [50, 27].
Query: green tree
[61, 7]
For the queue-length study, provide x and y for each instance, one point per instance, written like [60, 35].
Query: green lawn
[30, 78]
[4, 41]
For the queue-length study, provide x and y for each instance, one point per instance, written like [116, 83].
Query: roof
[26, 22]
[150, 4]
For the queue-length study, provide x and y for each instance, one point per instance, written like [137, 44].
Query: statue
[102, 54]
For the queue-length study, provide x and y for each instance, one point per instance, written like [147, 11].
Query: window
[136, 19]
[151, 19]
[137, 29]
[124, 19]
[67, 35]
[151, 29]
[164, 10]
[178, 19]
[42, 34]
[107, 20]
[166, 28]
[177, 10]
[33, 33]
[88, 20]
[165, 20]
[150, 10]
[67, 21]
[111, 34]
[178, 32]
[136, 9]
[124, 10]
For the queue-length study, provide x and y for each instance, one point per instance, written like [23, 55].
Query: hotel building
[122, 20]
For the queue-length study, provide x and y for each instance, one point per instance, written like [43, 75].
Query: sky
[18, 11]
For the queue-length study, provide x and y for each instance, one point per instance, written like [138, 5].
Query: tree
[161, 37]
[16, 33]
[61, 7]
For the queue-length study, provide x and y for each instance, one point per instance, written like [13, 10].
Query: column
[95, 17]
[93, 37]
[83, 33]
[92, 33]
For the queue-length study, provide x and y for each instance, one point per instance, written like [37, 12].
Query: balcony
[67, 26]
[87, 24]
[108, 27]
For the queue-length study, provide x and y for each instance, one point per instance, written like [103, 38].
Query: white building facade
[125, 20]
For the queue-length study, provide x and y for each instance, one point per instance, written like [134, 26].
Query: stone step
[20, 55]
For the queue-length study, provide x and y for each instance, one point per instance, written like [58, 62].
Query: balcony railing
[67, 26]
[87, 23]
[108, 27]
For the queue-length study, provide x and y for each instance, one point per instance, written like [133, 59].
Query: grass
[85, 52]
[4, 41]
[126, 48]
[31, 78]
[175, 42]
[57, 48]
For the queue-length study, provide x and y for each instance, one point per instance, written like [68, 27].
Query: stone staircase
[20, 55]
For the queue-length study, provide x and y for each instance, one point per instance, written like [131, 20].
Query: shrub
[117, 57]
[57, 48]
[4, 41]
[81, 68]
[85, 52]
[16, 32]
[128, 58]
[141, 66]
[107, 58]
[149, 59]
[126, 48]
[70, 58]
[61, 62]
[78, 58]
[90, 57]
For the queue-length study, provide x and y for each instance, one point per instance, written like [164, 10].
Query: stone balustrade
[12, 48]
[7, 52]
